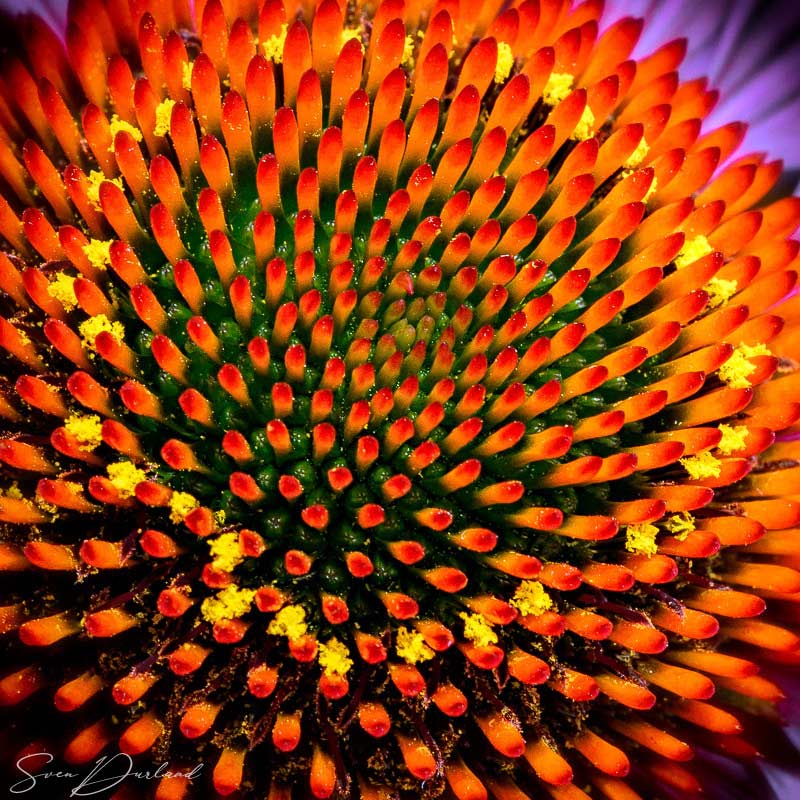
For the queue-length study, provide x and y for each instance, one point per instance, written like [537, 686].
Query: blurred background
[749, 50]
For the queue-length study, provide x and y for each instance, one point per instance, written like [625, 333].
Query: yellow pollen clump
[180, 504]
[230, 603]
[290, 622]
[14, 492]
[752, 350]
[505, 62]
[186, 75]
[96, 180]
[692, 250]
[531, 599]
[98, 251]
[651, 191]
[478, 630]
[641, 539]
[45, 506]
[163, 117]
[226, 552]
[273, 47]
[680, 525]
[219, 517]
[720, 291]
[737, 370]
[334, 657]
[86, 429]
[125, 477]
[557, 88]
[352, 33]
[89, 329]
[410, 646]
[408, 52]
[703, 465]
[117, 125]
[733, 438]
[585, 127]
[62, 288]
[638, 155]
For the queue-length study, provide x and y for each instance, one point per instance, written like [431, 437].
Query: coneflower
[395, 402]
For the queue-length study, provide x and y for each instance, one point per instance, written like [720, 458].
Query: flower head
[395, 400]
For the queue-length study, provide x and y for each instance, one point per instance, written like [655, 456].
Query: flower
[397, 402]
